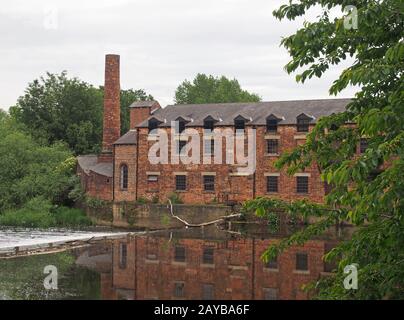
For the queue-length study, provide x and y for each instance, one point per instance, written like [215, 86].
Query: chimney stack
[112, 109]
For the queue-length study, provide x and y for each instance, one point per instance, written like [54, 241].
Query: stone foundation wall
[153, 216]
[157, 216]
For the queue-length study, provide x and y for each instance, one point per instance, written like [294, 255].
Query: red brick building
[123, 171]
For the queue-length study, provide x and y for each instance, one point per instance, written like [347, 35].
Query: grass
[39, 213]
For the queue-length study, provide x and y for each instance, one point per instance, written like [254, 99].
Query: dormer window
[180, 124]
[303, 122]
[153, 125]
[208, 124]
[239, 123]
[272, 123]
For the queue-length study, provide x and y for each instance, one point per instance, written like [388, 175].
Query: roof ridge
[258, 102]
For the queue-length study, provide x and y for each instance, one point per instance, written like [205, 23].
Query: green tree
[28, 169]
[58, 108]
[209, 89]
[368, 189]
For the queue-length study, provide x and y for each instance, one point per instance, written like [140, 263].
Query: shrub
[39, 213]
[34, 214]
[95, 203]
[142, 200]
[175, 198]
[155, 199]
[71, 217]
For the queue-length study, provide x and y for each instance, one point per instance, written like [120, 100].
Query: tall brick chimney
[112, 110]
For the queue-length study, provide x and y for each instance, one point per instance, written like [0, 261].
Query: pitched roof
[141, 104]
[257, 111]
[86, 162]
[129, 137]
[104, 169]
[89, 163]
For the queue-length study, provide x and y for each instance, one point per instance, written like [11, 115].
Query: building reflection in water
[208, 264]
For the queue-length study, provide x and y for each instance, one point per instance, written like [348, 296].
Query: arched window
[124, 177]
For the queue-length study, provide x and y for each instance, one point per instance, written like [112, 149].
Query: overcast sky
[161, 43]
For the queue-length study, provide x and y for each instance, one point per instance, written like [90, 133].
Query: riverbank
[39, 213]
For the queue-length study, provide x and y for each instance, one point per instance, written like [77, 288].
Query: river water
[198, 263]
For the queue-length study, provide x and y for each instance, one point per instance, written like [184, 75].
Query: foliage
[40, 213]
[28, 169]
[57, 108]
[142, 200]
[368, 189]
[209, 89]
[71, 217]
[155, 199]
[175, 198]
[95, 203]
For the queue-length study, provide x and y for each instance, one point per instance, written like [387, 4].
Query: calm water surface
[186, 264]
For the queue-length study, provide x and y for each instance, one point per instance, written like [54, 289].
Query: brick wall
[125, 155]
[95, 185]
[228, 185]
[138, 115]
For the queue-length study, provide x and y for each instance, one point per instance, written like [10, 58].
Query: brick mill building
[123, 172]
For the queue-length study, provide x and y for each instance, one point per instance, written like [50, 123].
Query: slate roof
[89, 163]
[129, 137]
[141, 104]
[86, 162]
[255, 112]
[104, 169]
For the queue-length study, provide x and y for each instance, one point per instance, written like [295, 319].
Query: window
[302, 262]
[302, 184]
[153, 125]
[272, 184]
[180, 182]
[179, 254]
[152, 178]
[272, 146]
[270, 294]
[209, 146]
[208, 256]
[124, 177]
[272, 125]
[179, 291]
[239, 124]
[208, 291]
[181, 126]
[272, 264]
[209, 183]
[180, 147]
[363, 145]
[208, 125]
[303, 124]
[123, 252]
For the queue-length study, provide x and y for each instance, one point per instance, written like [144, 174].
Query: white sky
[161, 43]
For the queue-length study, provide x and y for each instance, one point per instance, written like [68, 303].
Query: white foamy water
[27, 239]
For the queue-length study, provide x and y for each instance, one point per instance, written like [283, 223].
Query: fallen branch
[193, 225]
